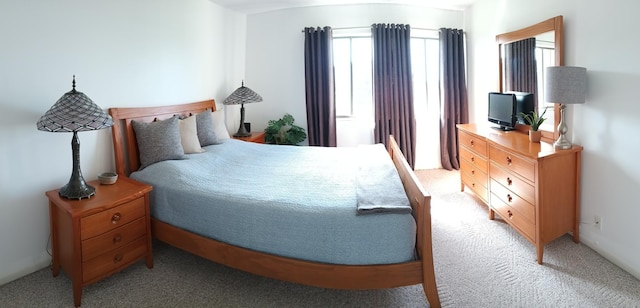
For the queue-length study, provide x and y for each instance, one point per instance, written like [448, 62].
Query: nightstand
[257, 137]
[94, 238]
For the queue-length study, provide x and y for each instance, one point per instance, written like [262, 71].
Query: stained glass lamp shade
[75, 112]
[242, 95]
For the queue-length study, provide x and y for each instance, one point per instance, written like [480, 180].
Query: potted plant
[534, 121]
[283, 131]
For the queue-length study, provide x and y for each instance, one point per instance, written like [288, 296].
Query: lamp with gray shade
[75, 112]
[242, 95]
[565, 85]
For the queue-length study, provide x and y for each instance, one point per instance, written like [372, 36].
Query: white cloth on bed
[294, 201]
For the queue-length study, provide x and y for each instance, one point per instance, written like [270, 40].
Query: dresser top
[516, 141]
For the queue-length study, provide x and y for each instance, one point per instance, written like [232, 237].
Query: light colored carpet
[478, 263]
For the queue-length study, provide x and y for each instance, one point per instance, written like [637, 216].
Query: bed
[303, 261]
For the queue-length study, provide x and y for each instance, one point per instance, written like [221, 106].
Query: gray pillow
[158, 141]
[204, 124]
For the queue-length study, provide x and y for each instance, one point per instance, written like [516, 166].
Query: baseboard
[615, 260]
[42, 262]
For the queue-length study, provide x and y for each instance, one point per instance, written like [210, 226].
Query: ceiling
[259, 6]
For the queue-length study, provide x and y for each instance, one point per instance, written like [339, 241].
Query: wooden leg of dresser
[539, 252]
[149, 261]
[492, 214]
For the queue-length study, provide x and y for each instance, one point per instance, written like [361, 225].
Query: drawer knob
[473, 184]
[473, 172]
[117, 258]
[510, 214]
[508, 160]
[117, 238]
[471, 142]
[473, 159]
[509, 198]
[115, 218]
[509, 181]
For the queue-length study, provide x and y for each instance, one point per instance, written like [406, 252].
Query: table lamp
[75, 112]
[242, 95]
[565, 85]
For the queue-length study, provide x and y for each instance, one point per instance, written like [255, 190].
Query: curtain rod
[352, 28]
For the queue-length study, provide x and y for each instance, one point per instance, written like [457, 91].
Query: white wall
[598, 36]
[275, 49]
[123, 53]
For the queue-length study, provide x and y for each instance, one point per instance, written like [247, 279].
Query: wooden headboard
[125, 146]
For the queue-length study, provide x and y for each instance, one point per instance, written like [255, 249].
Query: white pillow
[189, 135]
[219, 125]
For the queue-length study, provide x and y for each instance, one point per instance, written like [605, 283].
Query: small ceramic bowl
[108, 178]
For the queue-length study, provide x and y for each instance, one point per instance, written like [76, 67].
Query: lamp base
[242, 130]
[77, 190]
[562, 143]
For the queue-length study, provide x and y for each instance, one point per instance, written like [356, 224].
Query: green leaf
[283, 131]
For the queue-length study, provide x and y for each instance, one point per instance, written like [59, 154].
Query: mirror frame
[551, 24]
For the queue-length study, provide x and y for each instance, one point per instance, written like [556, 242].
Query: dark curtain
[520, 67]
[455, 107]
[319, 86]
[393, 90]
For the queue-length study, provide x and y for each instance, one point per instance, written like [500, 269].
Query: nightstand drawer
[110, 219]
[113, 239]
[113, 260]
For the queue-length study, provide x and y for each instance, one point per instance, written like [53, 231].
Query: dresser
[531, 186]
[97, 237]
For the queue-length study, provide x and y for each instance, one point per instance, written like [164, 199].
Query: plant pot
[535, 135]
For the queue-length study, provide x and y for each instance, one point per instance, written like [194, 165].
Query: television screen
[502, 110]
[524, 103]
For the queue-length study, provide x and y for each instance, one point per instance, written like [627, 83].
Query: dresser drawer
[110, 219]
[472, 142]
[113, 239]
[517, 185]
[474, 159]
[514, 218]
[517, 164]
[113, 260]
[526, 209]
[473, 171]
[477, 183]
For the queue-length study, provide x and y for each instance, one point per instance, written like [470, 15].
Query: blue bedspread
[293, 201]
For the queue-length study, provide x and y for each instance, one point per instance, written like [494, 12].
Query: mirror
[549, 42]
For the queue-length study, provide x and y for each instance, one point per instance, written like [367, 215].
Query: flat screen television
[525, 104]
[503, 110]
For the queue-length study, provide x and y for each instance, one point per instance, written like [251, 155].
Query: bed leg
[429, 285]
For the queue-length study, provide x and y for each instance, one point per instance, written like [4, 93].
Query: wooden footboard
[421, 204]
[298, 271]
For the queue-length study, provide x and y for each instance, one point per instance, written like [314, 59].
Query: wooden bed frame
[334, 276]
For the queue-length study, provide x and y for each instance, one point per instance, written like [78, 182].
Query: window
[353, 76]
[353, 68]
[545, 57]
[425, 68]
